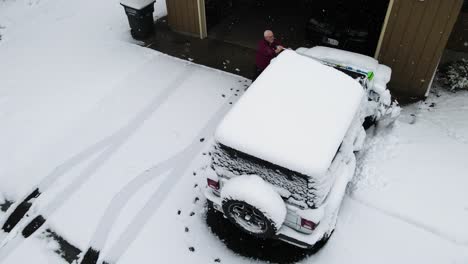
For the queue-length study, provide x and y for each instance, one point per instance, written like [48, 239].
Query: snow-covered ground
[88, 115]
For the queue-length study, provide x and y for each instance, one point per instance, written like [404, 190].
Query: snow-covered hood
[366, 65]
[294, 115]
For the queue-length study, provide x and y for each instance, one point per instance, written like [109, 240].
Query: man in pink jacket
[268, 48]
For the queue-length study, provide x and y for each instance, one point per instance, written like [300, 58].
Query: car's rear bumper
[285, 233]
[331, 206]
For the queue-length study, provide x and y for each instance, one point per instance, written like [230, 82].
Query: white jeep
[284, 154]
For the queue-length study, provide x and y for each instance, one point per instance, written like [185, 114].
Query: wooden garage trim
[202, 19]
[390, 28]
[416, 35]
[384, 28]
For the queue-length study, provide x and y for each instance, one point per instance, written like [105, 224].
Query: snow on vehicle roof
[294, 115]
[137, 4]
[341, 57]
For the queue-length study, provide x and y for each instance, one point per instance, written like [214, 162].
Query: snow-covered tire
[253, 206]
[267, 228]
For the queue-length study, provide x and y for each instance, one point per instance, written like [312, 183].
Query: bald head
[269, 36]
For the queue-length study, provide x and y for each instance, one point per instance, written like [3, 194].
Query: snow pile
[382, 77]
[341, 57]
[376, 150]
[137, 4]
[455, 75]
[294, 115]
[256, 192]
[422, 161]
[383, 74]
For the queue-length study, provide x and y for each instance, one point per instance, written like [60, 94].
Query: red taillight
[308, 224]
[213, 184]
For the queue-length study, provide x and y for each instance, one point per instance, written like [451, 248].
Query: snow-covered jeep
[284, 154]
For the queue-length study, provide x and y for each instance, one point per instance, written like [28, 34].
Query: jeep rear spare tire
[253, 206]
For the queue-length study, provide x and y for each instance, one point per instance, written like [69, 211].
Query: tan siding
[445, 34]
[188, 23]
[420, 79]
[183, 16]
[184, 13]
[426, 25]
[416, 36]
[408, 37]
[401, 14]
[390, 28]
[192, 15]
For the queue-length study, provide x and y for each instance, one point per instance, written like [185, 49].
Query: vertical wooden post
[384, 28]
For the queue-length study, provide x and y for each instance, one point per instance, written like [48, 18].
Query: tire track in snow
[118, 202]
[178, 164]
[16, 215]
[427, 228]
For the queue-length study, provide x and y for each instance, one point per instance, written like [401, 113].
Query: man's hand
[279, 48]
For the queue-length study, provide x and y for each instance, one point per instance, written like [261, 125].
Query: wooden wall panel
[425, 26]
[416, 35]
[437, 41]
[183, 16]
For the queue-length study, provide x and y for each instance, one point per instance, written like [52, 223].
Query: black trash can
[140, 17]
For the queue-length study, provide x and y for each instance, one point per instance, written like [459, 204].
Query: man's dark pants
[257, 72]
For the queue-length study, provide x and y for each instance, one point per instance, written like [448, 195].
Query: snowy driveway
[87, 117]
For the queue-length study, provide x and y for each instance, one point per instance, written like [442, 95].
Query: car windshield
[352, 74]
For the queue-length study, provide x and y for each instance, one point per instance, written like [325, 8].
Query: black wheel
[209, 205]
[369, 121]
[249, 219]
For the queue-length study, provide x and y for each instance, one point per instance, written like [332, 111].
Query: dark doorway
[353, 25]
